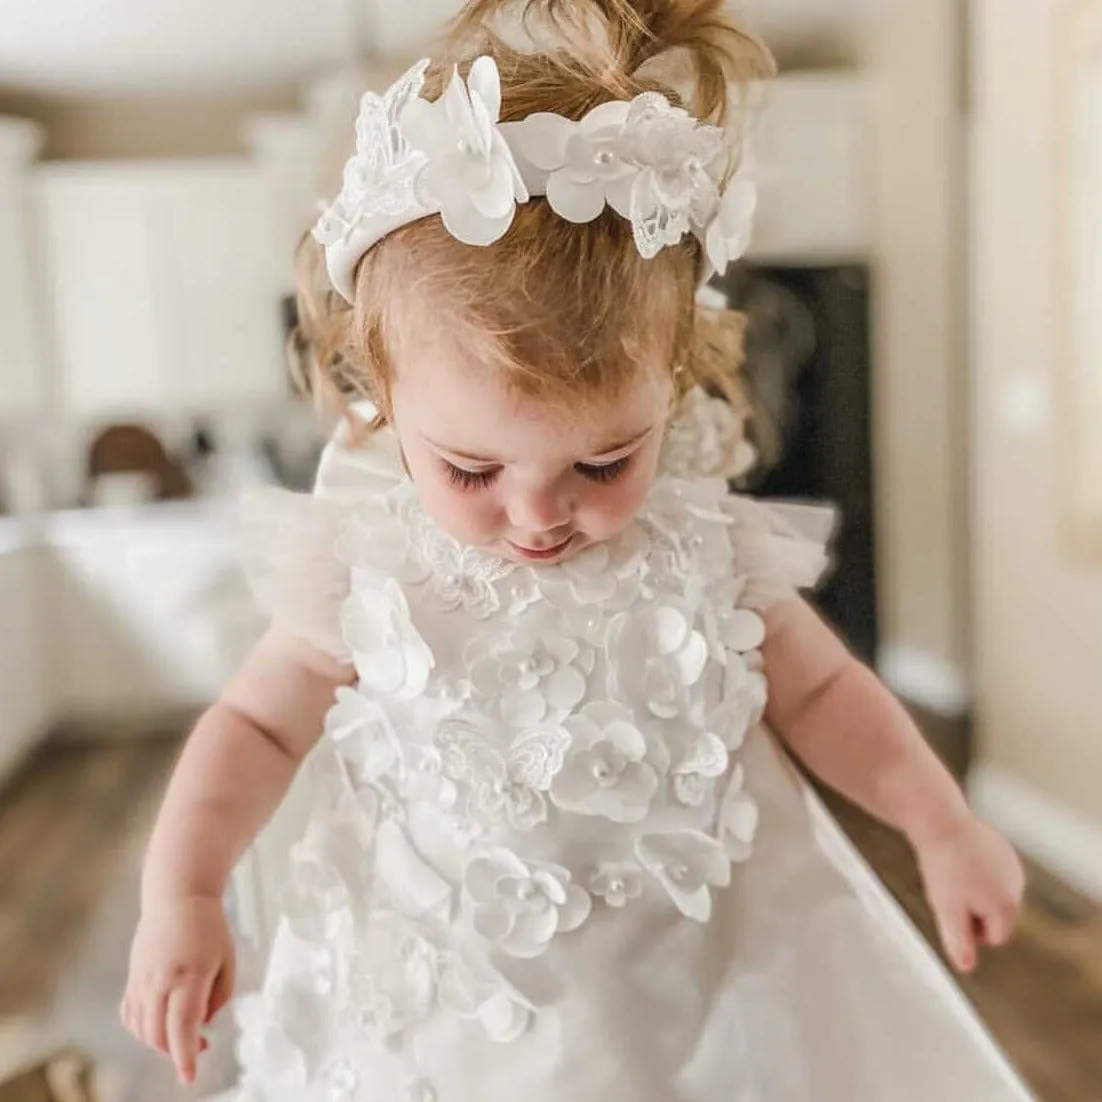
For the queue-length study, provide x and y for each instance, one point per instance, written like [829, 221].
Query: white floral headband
[650, 161]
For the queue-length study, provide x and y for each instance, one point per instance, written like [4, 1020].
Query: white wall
[920, 429]
[1038, 609]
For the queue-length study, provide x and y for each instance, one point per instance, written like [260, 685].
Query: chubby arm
[842, 722]
[847, 728]
[235, 769]
[238, 764]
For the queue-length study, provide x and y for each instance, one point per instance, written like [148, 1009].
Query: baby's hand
[974, 882]
[181, 975]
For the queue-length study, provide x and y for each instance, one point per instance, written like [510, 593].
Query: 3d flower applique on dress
[391, 975]
[533, 672]
[520, 906]
[470, 988]
[420, 1090]
[389, 654]
[606, 574]
[738, 818]
[688, 864]
[617, 883]
[611, 770]
[656, 657]
[696, 772]
[364, 736]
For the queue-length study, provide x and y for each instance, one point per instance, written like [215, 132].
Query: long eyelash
[469, 480]
[606, 472]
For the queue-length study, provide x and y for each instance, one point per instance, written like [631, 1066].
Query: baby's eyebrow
[471, 458]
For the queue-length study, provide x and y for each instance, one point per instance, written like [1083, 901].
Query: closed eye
[603, 472]
[470, 480]
[478, 480]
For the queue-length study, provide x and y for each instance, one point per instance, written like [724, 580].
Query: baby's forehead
[478, 411]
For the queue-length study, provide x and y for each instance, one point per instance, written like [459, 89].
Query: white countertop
[18, 533]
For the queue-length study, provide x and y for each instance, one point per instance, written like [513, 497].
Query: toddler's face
[510, 475]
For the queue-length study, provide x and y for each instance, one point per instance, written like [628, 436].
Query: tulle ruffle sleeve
[288, 541]
[780, 547]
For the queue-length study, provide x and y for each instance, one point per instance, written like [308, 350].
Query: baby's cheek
[480, 518]
[611, 511]
[468, 517]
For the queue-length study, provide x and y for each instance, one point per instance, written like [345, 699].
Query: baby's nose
[539, 511]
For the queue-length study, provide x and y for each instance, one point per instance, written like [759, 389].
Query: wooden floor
[71, 828]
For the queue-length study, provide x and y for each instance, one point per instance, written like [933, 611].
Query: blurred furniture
[20, 360]
[25, 706]
[65, 1077]
[147, 610]
[117, 618]
[136, 450]
[161, 286]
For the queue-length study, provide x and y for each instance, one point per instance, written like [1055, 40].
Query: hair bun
[606, 43]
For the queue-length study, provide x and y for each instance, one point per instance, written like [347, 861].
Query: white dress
[553, 854]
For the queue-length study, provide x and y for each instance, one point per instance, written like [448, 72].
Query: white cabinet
[223, 290]
[98, 260]
[161, 286]
[147, 609]
[24, 704]
[125, 614]
[21, 385]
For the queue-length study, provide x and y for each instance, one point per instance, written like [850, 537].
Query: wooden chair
[135, 449]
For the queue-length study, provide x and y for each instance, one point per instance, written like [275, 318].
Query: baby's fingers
[221, 991]
[996, 922]
[957, 936]
[186, 1006]
[151, 1020]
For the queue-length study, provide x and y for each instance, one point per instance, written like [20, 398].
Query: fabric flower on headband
[470, 172]
[681, 162]
[727, 236]
[582, 159]
[651, 162]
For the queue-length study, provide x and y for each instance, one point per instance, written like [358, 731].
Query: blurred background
[925, 335]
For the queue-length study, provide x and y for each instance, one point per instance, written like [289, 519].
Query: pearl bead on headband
[651, 162]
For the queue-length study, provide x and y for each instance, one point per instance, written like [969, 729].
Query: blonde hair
[565, 311]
